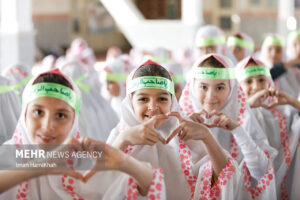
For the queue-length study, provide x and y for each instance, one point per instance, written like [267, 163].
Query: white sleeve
[255, 158]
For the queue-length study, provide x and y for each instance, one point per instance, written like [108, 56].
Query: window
[225, 23]
[225, 3]
[255, 2]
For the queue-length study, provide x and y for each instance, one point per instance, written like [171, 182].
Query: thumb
[154, 120]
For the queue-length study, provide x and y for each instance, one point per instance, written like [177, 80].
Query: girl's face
[296, 47]
[211, 94]
[207, 50]
[274, 54]
[150, 102]
[238, 52]
[254, 84]
[49, 120]
[113, 88]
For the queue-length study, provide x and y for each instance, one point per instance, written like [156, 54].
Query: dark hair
[251, 62]
[238, 35]
[53, 78]
[152, 70]
[211, 62]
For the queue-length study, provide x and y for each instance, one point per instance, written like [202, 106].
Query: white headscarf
[237, 109]
[247, 38]
[281, 126]
[179, 160]
[117, 66]
[212, 32]
[97, 117]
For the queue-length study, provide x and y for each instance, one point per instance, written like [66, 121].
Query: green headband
[210, 41]
[270, 40]
[4, 89]
[178, 79]
[154, 82]
[294, 35]
[213, 73]
[52, 90]
[81, 85]
[247, 72]
[114, 77]
[235, 41]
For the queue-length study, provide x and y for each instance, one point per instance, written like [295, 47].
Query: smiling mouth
[46, 139]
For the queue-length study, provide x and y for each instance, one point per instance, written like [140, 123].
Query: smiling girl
[193, 160]
[214, 98]
[276, 113]
[51, 106]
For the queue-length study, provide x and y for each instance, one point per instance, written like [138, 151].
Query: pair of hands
[112, 159]
[258, 98]
[145, 133]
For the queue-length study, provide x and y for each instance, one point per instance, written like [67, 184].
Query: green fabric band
[214, 73]
[210, 41]
[154, 82]
[247, 72]
[81, 85]
[294, 35]
[235, 41]
[114, 77]
[4, 89]
[270, 40]
[178, 79]
[52, 90]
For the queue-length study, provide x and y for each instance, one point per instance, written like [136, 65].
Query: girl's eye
[163, 99]
[220, 88]
[142, 99]
[203, 87]
[262, 80]
[37, 112]
[61, 116]
[248, 81]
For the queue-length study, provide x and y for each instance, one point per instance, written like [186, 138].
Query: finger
[174, 133]
[88, 175]
[177, 115]
[197, 118]
[204, 112]
[154, 120]
[159, 137]
[182, 135]
[75, 174]
[151, 137]
[224, 123]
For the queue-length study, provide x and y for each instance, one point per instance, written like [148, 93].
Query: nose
[152, 105]
[211, 93]
[48, 123]
[255, 86]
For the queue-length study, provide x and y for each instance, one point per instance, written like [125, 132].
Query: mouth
[46, 139]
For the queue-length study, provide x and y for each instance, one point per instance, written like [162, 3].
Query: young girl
[241, 45]
[284, 74]
[214, 98]
[51, 106]
[150, 120]
[97, 113]
[114, 78]
[211, 39]
[280, 121]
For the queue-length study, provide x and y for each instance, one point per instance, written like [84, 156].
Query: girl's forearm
[216, 153]
[140, 171]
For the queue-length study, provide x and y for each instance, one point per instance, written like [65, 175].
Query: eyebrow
[60, 109]
[161, 93]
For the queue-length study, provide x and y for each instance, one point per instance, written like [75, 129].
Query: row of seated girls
[217, 122]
